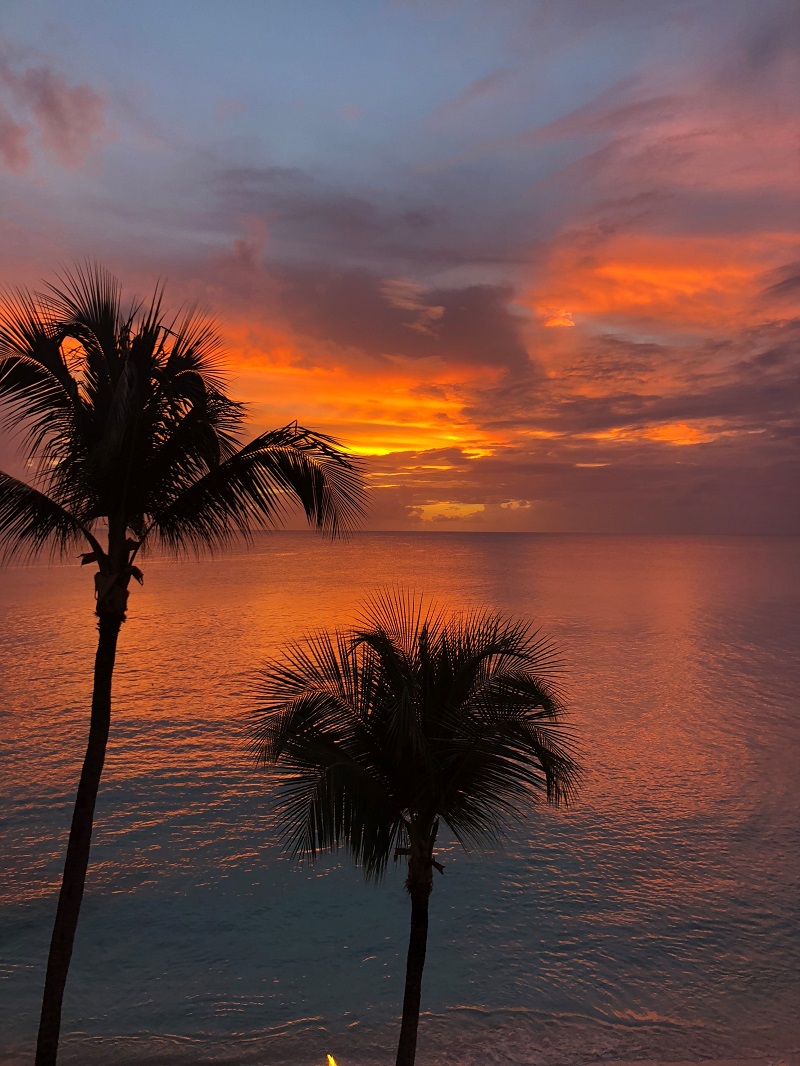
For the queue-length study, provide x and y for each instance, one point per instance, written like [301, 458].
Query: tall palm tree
[133, 441]
[412, 719]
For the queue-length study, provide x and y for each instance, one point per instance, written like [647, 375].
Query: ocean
[657, 919]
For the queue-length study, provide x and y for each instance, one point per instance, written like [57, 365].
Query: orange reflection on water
[653, 693]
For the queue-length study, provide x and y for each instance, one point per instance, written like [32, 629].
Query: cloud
[771, 35]
[408, 295]
[750, 384]
[312, 219]
[13, 142]
[475, 93]
[638, 486]
[784, 283]
[69, 118]
[389, 317]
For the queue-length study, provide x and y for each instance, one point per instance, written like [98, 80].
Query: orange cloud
[706, 284]
[379, 408]
[446, 509]
[678, 433]
[557, 318]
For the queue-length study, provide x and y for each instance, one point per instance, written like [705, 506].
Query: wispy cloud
[67, 119]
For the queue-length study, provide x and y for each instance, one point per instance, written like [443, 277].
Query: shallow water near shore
[656, 920]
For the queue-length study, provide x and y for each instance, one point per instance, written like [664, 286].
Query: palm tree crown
[126, 423]
[411, 717]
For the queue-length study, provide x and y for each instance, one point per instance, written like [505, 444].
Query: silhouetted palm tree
[412, 719]
[132, 439]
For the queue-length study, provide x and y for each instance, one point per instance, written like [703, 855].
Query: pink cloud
[69, 118]
[13, 147]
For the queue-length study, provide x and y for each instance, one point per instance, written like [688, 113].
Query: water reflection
[656, 915]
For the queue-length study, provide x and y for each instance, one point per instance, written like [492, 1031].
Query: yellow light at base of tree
[331, 1060]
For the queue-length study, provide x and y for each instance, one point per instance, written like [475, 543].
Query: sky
[538, 262]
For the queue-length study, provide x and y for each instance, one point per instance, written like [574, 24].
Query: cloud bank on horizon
[538, 259]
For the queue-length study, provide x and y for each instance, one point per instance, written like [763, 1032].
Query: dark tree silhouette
[132, 441]
[412, 719]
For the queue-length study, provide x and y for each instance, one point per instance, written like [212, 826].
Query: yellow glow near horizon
[428, 512]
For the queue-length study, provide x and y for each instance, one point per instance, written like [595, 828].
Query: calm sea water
[657, 919]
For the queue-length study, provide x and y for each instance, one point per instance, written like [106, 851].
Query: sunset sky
[537, 260]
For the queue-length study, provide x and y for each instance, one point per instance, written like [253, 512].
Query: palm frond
[196, 349]
[30, 521]
[37, 390]
[88, 300]
[256, 487]
[401, 614]
[337, 802]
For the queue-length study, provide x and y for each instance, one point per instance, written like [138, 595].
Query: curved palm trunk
[80, 839]
[419, 886]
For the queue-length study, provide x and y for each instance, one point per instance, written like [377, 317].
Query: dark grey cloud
[393, 317]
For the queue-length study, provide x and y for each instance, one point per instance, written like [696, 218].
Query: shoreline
[261, 1057]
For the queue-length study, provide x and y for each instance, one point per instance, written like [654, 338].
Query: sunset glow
[399, 470]
[494, 284]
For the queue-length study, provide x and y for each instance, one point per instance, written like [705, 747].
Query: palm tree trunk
[417, 944]
[80, 839]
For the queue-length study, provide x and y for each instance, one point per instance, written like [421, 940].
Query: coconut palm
[133, 442]
[413, 719]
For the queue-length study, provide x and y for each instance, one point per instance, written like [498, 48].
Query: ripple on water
[656, 919]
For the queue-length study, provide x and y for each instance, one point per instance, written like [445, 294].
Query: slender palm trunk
[417, 944]
[80, 839]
